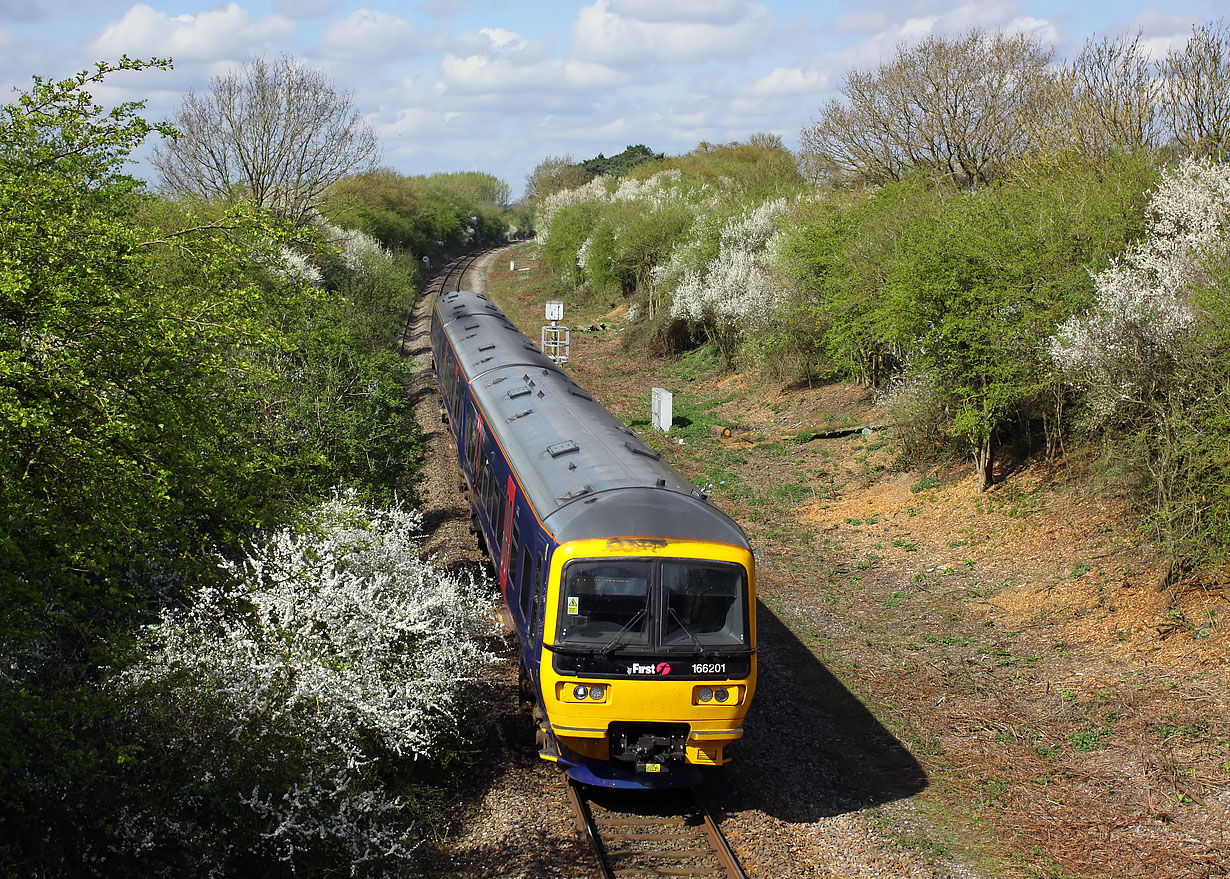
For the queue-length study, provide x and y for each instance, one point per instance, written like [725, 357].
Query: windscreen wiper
[699, 646]
[571, 650]
[611, 646]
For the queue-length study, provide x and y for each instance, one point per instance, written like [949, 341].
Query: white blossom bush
[360, 252]
[655, 190]
[336, 661]
[735, 292]
[294, 266]
[1125, 349]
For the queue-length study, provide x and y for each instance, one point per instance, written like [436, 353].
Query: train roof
[482, 337]
[585, 472]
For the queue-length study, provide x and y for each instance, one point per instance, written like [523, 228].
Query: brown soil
[1003, 663]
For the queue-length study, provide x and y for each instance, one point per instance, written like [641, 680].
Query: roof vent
[519, 391]
[573, 495]
[577, 392]
[646, 451]
[661, 483]
[563, 448]
[486, 347]
[512, 418]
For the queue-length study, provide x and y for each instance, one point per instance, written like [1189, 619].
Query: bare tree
[961, 108]
[551, 175]
[276, 132]
[1115, 96]
[1197, 85]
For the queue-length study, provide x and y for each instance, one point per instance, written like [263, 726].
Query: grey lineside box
[663, 403]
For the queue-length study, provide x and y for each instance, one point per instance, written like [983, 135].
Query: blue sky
[496, 85]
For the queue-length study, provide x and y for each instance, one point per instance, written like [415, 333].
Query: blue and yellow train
[632, 597]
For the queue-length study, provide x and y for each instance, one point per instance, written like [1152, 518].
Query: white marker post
[663, 403]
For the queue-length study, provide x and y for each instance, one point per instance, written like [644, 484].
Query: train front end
[648, 665]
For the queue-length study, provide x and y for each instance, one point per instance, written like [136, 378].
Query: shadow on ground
[811, 750]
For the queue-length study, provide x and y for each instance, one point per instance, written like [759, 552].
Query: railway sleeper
[667, 871]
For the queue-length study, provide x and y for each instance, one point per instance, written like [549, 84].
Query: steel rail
[630, 843]
[588, 828]
[717, 839]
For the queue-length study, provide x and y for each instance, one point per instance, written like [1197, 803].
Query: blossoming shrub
[1125, 350]
[686, 244]
[1151, 355]
[734, 293]
[297, 715]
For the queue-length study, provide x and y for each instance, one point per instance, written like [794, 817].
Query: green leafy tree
[617, 166]
[980, 283]
[168, 384]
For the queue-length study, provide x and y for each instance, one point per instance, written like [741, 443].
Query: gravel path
[818, 787]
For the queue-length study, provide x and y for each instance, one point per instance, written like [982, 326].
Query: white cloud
[371, 35]
[226, 32]
[714, 12]
[1161, 33]
[503, 39]
[1039, 28]
[623, 31]
[784, 81]
[882, 45]
[499, 42]
[492, 74]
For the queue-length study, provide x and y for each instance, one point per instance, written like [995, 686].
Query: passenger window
[537, 589]
[527, 583]
[512, 549]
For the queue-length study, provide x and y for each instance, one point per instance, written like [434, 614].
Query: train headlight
[596, 692]
[705, 694]
[721, 694]
[580, 691]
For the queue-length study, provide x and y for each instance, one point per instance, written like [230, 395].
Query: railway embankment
[952, 684]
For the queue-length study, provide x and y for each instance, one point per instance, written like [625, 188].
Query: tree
[1150, 358]
[1197, 85]
[1116, 99]
[475, 186]
[959, 108]
[617, 166]
[275, 132]
[551, 175]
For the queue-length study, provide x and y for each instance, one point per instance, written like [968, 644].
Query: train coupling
[652, 749]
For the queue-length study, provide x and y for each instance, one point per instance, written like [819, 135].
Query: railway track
[447, 280]
[451, 277]
[636, 834]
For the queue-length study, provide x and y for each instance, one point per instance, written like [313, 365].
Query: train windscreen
[606, 602]
[676, 604]
[704, 604]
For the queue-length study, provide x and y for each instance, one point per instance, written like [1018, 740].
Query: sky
[497, 85]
